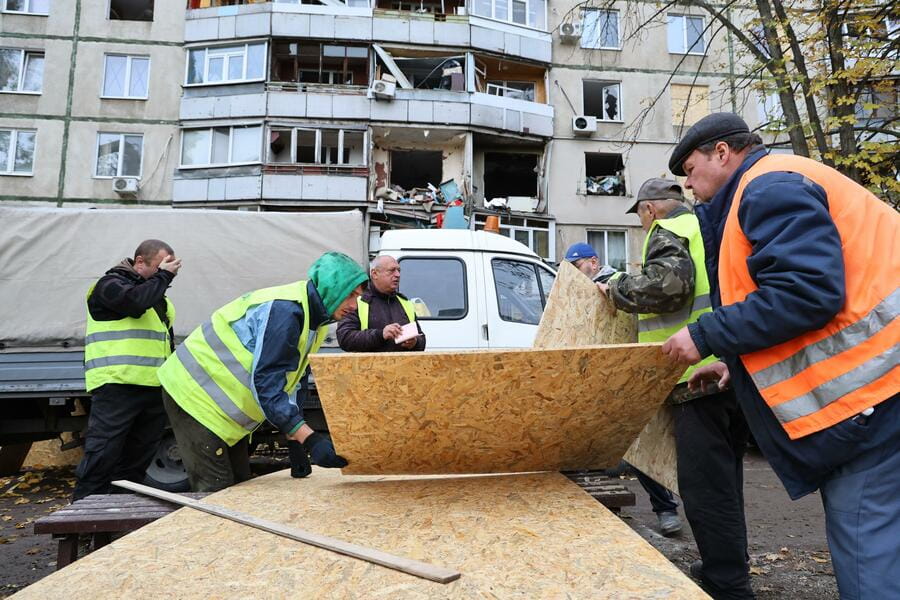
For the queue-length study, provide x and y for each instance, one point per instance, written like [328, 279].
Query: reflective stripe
[134, 361]
[848, 337]
[701, 302]
[224, 354]
[218, 395]
[125, 334]
[673, 319]
[837, 388]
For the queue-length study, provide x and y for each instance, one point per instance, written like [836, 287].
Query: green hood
[335, 275]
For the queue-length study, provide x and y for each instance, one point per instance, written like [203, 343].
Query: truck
[471, 289]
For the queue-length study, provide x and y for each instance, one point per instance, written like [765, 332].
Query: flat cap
[708, 129]
[657, 188]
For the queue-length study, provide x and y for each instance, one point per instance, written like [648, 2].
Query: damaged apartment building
[395, 107]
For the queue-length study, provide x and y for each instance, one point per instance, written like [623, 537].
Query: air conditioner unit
[570, 33]
[584, 124]
[384, 89]
[125, 186]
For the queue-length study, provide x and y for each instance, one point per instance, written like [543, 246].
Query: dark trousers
[710, 436]
[124, 429]
[661, 499]
[210, 463]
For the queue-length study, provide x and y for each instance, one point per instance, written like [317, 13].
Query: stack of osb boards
[578, 315]
[511, 536]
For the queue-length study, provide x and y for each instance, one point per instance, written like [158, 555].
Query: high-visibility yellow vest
[210, 374]
[362, 308]
[659, 328]
[126, 350]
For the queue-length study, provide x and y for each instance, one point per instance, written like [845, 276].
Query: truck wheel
[166, 471]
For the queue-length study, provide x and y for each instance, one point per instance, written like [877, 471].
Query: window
[131, 10]
[605, 174]
[522, 12]
[768, 109]
[520, 90]
[437, 286]
[602, 99]
[21, 70]
[686, 35]
[534, 233]
[600, 29]
[320, 63]
[876, 106]
[520, 294]
[220, 146]
[126, 76]
[416, 168]
[611, 246]
[226, 64]
[31, 7]
[16, 151]
[507, 174]
[119, 155]
[316, 146]
[689, 104]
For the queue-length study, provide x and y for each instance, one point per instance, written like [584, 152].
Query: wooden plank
[534, 535]
[399, 563]
[490, 411]
[578, 315]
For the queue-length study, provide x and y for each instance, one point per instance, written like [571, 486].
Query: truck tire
[166, 471]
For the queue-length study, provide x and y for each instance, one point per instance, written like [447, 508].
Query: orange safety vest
[825, 376]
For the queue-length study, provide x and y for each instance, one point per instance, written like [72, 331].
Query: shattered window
[131, 10]
[602, 99]
[605, 174]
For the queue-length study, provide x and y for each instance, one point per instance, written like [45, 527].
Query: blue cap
[579, 251]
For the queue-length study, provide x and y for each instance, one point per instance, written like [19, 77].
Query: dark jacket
[383, 310]
[798, 264]
[122, 292]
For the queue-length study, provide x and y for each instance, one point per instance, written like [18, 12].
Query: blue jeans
[862, 523]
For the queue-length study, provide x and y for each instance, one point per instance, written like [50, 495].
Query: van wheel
[166, 471]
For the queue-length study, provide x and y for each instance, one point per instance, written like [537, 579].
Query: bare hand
[170, 264]
[392, 331]
[604, 288]
[717, 371]
[409, 344]
[681, 348]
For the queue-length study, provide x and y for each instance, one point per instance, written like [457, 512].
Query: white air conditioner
[570, 33]
[125, 186]
[384, 89]
[584, 124]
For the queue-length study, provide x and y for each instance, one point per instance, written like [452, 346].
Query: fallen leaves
[22, 500]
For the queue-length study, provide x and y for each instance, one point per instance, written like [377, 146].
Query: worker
[243, 366]
[672, 290]
[127, 338]
[381, 313]
[584, 258]
[804, 268]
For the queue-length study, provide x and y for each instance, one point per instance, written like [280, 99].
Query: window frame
[231, 127]
[6, 9]
[465, 281]
[121, 135]
[501, 85]
[127, 84]
[620, 118]
[11, 157]
[618, 45]
[684, 18]
[509, 13]
[23, 62]
[246, 51]
[318, 149]
[605, 249]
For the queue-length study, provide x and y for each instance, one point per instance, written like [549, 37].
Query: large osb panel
[490, 411]
[512, 536]
[578, 315]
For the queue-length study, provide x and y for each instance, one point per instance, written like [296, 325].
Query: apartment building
[88, 105]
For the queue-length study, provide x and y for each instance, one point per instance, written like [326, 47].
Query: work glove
[300, 466]
[321, 451]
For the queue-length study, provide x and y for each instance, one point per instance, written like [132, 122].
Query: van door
[443, 290]
[516, 291]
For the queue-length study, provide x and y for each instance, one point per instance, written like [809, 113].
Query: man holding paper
[385, 320]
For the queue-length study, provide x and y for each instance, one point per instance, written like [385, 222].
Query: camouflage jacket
[666, 281]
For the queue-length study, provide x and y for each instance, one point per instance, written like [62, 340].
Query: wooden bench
[101, 516]
[608, 491]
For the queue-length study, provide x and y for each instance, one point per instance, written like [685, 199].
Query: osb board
[513, 536]
[578, 315]
[490, 411]
[49, 454]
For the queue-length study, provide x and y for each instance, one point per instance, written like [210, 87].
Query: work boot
[669, 522]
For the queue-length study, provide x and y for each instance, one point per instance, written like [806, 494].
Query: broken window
[689, 103]
[611, 247]
[131, 10]
[520, 90]
[605, 174]
[507, 174]
[316, 146]
[602, 99]
[431, 73]
[435, 7]
[416, 168]
[319, 63]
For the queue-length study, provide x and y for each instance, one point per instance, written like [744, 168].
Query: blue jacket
[798, 265]
[271, 331]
